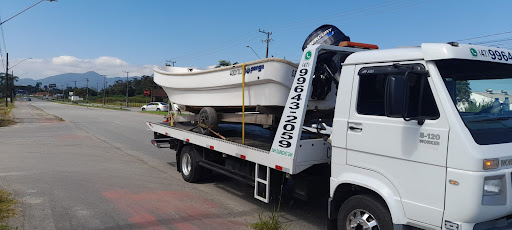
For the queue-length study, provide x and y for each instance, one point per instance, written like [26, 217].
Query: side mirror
[395, 96]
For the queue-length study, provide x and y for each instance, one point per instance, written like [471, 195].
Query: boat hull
[267, 84]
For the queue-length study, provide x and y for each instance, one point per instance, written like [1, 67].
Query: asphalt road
[98, 170]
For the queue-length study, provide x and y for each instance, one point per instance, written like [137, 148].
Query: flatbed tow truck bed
[255, 136]
[257, 147]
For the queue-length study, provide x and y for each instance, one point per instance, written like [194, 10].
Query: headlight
[493, 186]
[495, 191]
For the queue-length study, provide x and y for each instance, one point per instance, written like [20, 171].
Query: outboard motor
[327, 64]
[326, 35]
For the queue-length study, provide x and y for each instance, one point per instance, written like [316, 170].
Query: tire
[143, 109]
[352, 214]
[208, 117]
[158, 109]
[190, 169]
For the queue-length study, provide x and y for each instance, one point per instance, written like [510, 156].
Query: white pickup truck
[412, 145]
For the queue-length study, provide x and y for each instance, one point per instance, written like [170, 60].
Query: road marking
[31, 200]
[13, 173]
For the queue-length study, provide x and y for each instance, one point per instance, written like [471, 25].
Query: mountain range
[69, 79]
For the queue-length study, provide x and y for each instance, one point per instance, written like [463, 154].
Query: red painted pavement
[170, 210]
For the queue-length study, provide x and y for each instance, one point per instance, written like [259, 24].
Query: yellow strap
[243, 103]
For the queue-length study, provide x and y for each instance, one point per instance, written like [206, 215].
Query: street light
[20, 62]
[25, 10]
[253, 51]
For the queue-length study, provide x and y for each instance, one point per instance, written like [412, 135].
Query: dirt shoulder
[6, 117]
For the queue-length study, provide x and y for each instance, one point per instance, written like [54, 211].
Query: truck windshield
[480, 91]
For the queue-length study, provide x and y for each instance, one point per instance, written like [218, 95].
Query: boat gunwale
[228, 67]
[234, 85]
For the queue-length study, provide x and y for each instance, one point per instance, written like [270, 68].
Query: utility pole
[97, 89]
[65, 96]
[126, 88]
[104, 87]
[87, 90]
[75, 85]
[13, 91]
[266, 40]
[63, 90]
[171, 62]
[6, 79]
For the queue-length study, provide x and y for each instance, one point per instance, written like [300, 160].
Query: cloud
[110, 66]
[65, 60]
[109, 61]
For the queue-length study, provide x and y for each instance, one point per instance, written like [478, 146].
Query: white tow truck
[409, 149]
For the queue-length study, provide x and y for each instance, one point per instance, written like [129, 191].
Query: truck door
[412, 156]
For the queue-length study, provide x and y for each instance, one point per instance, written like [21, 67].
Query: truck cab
[419, 140]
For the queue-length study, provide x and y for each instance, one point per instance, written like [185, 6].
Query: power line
[227, 44]
[381, 8]
[493, 41]
[25, 10]
[323, 18]
[485, 36]
[3, 41]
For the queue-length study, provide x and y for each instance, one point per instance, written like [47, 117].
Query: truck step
[163, 143]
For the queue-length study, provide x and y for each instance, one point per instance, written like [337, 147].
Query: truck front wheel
[364, 212]
[190, 169]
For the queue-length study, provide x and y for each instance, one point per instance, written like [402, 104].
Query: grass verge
[5, 115]
[156, 112]
[93, 106]
[7, 209]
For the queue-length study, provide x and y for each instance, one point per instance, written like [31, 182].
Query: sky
[113, 36]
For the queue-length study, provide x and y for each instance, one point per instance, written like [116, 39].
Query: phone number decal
[492, 54]
[289, 125]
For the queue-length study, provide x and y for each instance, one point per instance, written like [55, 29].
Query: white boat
[267, 84]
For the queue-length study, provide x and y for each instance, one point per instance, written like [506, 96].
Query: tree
[463, 91]
[38, 87]
[119, 88]
[145, 82]
[11, 81]
[223, 63]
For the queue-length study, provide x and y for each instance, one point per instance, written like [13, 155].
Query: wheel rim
[203, 119]
[186, 164]
[360, 219]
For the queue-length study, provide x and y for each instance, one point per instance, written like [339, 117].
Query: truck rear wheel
[364, 212]
[190, 169]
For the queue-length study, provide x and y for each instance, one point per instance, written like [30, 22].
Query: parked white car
[155, 106]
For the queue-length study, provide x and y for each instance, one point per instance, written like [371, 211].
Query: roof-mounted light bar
[358, 45]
